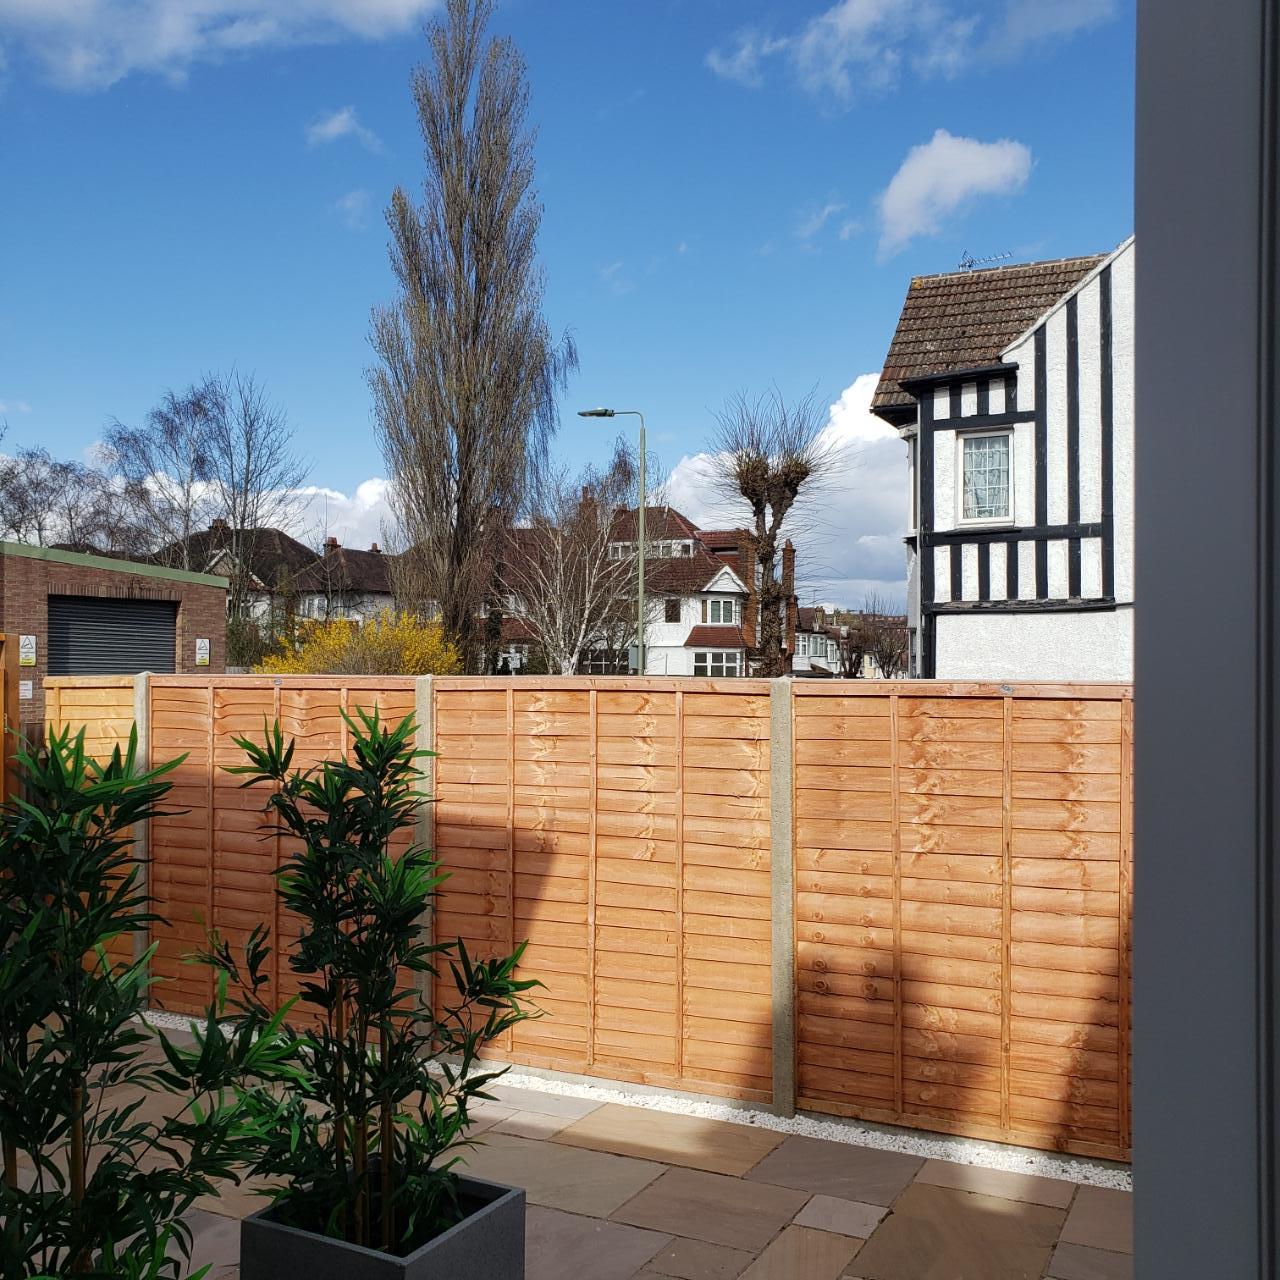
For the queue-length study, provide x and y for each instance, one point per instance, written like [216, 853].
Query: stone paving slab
[713, 1207]
[558, 1177]
[837, 1169]
[685, 1259]
[718, 1146]
[547, 1104]
[801, 1253]
[562, 1245]
[998, 1182]
[1101, 1219]
[1076, 1262]
[935, 1233]
[844, 1217]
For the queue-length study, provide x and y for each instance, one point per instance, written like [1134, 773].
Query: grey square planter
[488, 1244]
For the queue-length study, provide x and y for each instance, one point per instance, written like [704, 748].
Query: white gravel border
[928, 1146]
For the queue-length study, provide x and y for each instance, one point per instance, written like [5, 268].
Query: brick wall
[28, 579]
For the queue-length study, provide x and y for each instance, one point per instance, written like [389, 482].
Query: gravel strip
[928, 1146]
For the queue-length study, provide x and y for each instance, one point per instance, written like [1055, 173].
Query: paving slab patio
[619, 1193]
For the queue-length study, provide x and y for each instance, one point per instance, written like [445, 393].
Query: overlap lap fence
[905, 902]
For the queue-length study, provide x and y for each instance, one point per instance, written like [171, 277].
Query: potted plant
[91, 1186]
[372, 1134]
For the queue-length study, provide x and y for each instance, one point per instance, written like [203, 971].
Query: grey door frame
[1206, 672]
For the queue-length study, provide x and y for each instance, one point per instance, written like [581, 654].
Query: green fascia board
[116, 566]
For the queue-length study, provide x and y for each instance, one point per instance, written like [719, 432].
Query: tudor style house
[1013, 387]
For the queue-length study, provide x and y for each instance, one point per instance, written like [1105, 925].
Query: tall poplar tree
[464, 391]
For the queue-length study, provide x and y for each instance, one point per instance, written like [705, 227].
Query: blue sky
[721, 205]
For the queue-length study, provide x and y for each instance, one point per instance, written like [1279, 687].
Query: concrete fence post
[424, 710]
[141, 846]
[782, 874]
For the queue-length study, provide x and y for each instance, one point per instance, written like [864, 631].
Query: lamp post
[633, 413]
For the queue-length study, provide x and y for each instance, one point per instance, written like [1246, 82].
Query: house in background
[705, 622]
[817, 643]
[1013, 387]
[288, 579]
[345, 583]
[702, 607]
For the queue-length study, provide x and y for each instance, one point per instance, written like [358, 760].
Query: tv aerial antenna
[969, 263]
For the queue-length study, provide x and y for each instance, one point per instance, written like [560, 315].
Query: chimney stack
[377, 550]
[218, 526]
[330, 545]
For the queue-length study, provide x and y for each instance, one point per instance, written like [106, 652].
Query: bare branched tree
[254, 472]
[883, 637]
[48, 500]
[571, 595]
[464, 394]
[770, 455]
[166, 468]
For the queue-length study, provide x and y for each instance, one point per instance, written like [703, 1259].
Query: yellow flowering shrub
[399, 644]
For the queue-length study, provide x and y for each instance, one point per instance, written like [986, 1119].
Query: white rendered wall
[1036, 646]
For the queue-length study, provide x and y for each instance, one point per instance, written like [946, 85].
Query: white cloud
[857, 48]
[343, 123]
[741, 62]
[353, 208]
[14, 406]
[851, 542]
[614, 275]
[942, 176]
[1027, 23]
[356, 519]
[91, 44]
[818, 219]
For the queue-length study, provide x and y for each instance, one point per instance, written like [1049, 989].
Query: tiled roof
[659, 522]
[965, 319]
[345, 569]
[723, 539]
[274, 560]
[705, 636]
[683, 575]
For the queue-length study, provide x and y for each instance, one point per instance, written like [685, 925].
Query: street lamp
[633, 413]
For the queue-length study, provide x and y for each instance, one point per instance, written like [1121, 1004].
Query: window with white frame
[728, 610]
[986, 476]
[802, 645]
[717, 662]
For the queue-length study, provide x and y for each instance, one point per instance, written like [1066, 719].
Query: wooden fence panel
[962, 877]
[102, 705]
[962, 909]
[621, 829]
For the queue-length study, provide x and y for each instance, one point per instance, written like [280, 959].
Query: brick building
[89, 615]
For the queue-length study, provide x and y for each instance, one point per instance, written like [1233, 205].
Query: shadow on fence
[902, 902]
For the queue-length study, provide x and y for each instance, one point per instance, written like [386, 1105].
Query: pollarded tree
[770, 455]
[464, 392]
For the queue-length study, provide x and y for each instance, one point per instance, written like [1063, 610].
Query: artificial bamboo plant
[95, 1181]
[374, 1130]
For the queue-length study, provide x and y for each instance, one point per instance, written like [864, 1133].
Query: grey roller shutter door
[94, 636]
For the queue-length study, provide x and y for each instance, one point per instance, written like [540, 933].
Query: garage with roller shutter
[88, 615]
